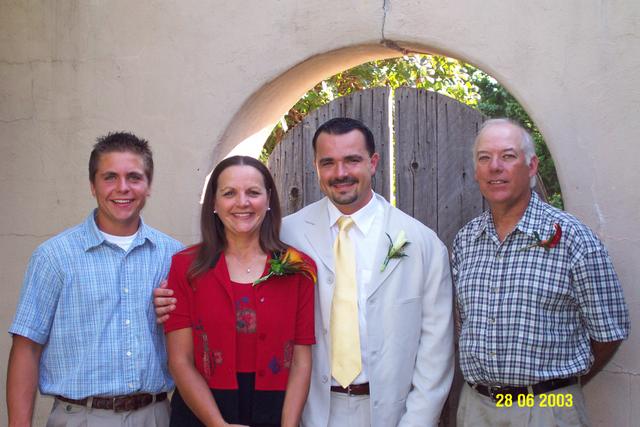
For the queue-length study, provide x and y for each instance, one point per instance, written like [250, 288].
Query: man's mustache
[345, 180]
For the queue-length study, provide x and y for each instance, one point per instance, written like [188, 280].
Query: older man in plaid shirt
[540, 306]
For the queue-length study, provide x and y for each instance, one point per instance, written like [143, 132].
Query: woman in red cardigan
[239, 341]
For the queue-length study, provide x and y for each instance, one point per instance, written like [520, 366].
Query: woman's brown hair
[214, 240]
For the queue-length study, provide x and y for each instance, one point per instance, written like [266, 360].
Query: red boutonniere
[288, 262]
[549, 243]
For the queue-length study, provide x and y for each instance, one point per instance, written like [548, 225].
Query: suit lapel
[318, 236]
[392, 228]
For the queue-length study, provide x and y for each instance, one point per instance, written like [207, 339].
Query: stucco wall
[196, 78]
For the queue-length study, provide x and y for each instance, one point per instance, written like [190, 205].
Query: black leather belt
[352, 389]
[129, 402]
[515, 391]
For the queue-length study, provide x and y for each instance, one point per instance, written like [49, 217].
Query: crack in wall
[390, 44]
[385, 9]
[38, 61]
[19, 119]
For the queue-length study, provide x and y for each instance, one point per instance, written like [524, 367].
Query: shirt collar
[93, 237]
[530, 221]
[483, 224]
[362, 219]
[533, 217]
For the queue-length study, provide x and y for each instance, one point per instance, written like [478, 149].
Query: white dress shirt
[365, 235]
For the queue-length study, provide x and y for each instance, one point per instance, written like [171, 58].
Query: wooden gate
[432, 136]
[430, 140]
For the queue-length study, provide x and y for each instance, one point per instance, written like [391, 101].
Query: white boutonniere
[396, 248]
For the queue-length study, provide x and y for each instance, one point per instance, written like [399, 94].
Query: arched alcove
[250, 126]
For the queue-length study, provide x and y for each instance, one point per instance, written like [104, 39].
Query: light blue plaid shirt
[90, 304]
[528, 315]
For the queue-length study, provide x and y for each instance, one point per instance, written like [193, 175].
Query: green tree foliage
[445, 75]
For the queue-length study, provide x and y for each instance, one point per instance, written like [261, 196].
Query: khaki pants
[349, 411]
[66, 414]
[477, 410]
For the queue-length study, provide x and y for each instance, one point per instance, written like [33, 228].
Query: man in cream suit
[402, 313]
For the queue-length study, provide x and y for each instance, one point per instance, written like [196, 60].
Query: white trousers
[349, 411]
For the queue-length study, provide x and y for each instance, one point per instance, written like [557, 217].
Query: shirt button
[324, 331]
[330, 280]
[130, 385]
[492, 354]
[494, 290]
[126, 290]
[492, 320]
[128, 354]
[126, 322]
[325, 379]
[261, 299]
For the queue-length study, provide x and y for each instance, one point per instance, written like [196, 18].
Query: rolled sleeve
[600, 297]
[38, 299]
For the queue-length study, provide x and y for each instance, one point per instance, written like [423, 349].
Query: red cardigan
[284, 312]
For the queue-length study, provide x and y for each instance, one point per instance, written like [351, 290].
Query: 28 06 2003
[560, 400]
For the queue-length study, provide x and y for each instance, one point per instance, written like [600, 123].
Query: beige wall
[179, 73]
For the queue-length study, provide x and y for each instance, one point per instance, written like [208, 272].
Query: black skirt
[247, 406]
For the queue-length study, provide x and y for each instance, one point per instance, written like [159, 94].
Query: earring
[269, 208]
[215, 212]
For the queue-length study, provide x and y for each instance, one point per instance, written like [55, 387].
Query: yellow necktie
[346, 361]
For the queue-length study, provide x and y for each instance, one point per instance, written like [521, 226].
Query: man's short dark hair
[342, 125]
[121, 142]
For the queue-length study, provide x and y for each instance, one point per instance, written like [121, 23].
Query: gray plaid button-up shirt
[528, 314]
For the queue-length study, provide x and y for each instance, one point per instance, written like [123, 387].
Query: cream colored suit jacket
[409, 320]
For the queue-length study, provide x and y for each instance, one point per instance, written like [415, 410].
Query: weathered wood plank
[275, 166]
[415, 163]
[405, 115]
[312, 191]
[380, 123]
[456, 129]
[472, 202]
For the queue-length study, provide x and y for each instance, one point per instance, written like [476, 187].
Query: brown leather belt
[535, 389]
[129, 402]
[352, 389]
